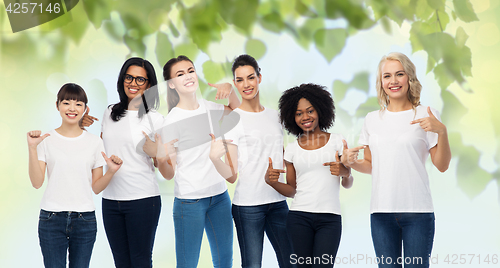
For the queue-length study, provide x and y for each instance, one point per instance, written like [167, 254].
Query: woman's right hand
[272, 175]
[34, 138]
[350, 155]
[87, 120]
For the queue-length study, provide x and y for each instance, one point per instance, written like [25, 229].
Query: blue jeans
[191, 217]
[131, 228]
[315, 237]
[411, 232]
[251, 222]
[66, 232]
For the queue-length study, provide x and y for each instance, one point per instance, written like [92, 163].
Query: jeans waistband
[69, 213]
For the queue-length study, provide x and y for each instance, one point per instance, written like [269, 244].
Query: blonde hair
[414, 85]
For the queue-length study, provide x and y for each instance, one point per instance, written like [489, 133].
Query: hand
[34, 138]
[165, 151]
[114, 162]
[87, 120]
[150, 147]
[337, 168]
[272, 175]
[217, 148]
[430, 123]
[223, 90]
[349, 156]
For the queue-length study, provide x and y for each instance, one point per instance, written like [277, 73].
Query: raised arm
[36, 168]
[99, 181]
[225, 90]
[287, 189]
[229, 168]
[350, 158]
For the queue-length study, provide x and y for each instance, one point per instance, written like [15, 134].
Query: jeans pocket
[189, 201]
[88, 216]
[45, 215]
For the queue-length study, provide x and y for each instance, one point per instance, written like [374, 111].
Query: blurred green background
[454, 44]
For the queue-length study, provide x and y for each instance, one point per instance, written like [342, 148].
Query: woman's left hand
[223, 90]
[337, 168]
[114, 162]
[430, 123]
[150, 147]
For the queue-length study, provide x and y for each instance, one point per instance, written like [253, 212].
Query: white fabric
[136, 178]
[399, 151]
[258, 137]
[195, 175]
[317, 188]
[70, 162]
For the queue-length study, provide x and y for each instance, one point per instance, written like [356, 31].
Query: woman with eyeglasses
[131, 203]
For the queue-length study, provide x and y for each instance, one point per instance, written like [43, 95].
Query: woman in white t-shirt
[73, 159]
[397, 140]
[201, 199]
[313, 175]
[131, 203]
[258, 135]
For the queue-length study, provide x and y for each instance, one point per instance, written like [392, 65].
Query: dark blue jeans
[412, 233]
[131, 227]
[251, 222]
[66, 232]
[315, 238]
[191, 217]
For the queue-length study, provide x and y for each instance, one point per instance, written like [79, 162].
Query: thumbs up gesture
[430, 123]
[337, 168]
[34, 138]
[272, 175]
[217, 148]
[114, 162]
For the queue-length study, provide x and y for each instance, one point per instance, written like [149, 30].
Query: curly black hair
[317, 95]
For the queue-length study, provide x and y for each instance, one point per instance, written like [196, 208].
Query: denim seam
[216, 241]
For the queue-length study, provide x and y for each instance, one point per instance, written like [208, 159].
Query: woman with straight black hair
[131, 203]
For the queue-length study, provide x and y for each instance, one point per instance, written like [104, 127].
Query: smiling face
[184, 78]
[247, 81]
[395, 81]
[306, 116]
[132, 89]
[71, 111]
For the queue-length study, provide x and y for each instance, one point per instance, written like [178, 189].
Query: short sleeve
[40, 150]
[289, 152]
[432, 137]
[364, 137]
[99, 159]
[105, 117]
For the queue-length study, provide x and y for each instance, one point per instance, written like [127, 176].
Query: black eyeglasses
[139, 79]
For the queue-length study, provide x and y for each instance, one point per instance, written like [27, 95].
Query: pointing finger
[146, 135]
[213, 137]
[345, 144]
[430, 112]
[104, 155]
[416, 121]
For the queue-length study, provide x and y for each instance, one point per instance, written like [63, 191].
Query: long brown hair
[172, 95]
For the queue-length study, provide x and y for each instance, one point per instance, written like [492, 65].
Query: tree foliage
[200, 23]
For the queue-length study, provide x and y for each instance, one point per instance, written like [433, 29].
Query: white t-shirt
[70, 162]
[136, 178]
[195, 175]
[317, 188]
[399, 151]
[258, 137]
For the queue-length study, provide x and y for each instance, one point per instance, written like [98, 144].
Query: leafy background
[455, 45]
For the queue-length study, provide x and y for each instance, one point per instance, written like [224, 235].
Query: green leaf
[164, 50]
[255, 48]
[370, 105]
[423, 10]
[361, 81]
[461, 36]
[330, 42]
[454, 15]
[272, 22]
[470, 177]
[442, 76]
[306, 32]
[201, 24]
[213, 72]
[77, 28]
[135, 45]
[187, 49]
[453, 111]
[464, 10]
[304, 10]
[431, 63]
[244, 14]
[440, 20]
[339, 90]
[173, 29]
[436, 4]
[97, 11]
[386, 25]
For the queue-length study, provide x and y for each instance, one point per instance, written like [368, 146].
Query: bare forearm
[284, 189]
[225, 170]
[234, 102]
[100, 184]
[35, 172]
[442, 157]
[347, 181]
[362, 165]
[166, 169]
